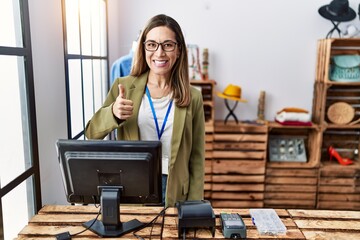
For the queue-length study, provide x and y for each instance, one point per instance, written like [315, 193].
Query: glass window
[88, 83]
[19, 172]
[75, 94]
[98, 33]
[72, 27]
[85, 26]
[86, 60]
[10, 24]
[14, 127]
[100, 90]
[17, 205]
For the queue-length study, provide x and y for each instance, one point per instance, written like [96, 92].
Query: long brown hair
[179, 77]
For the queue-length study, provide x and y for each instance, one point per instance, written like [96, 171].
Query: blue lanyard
[159, 133]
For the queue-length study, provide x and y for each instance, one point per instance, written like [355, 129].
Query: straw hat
[232, 92]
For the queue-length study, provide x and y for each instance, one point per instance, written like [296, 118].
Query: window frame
[34, 170]
[81, 57]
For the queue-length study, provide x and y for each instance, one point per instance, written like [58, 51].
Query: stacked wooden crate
[238, 168]
[207, 90]
[238, 172]
[339, 186]
[292, 184]
[209, 137]
[291, 188]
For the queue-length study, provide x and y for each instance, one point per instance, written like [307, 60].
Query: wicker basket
[340, 113]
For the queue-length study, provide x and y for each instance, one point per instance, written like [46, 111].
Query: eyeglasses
[167, 46]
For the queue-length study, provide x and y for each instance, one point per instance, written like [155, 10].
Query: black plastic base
[125, 227]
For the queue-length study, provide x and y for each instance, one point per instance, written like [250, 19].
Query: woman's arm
[104, 122]
[197, 157]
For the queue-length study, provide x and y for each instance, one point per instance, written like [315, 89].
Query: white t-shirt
[147, 125]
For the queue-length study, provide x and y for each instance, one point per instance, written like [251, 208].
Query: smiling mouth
[160, 63]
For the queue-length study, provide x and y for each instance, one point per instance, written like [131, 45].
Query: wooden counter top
[301, 224]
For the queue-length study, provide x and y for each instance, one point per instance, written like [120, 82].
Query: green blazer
[187, 163]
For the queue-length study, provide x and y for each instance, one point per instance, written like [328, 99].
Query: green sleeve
[103, 121]
[197, 157]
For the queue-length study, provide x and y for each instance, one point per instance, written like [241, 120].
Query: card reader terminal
[232, 226]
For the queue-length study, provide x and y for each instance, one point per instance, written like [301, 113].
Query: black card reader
[232, 226]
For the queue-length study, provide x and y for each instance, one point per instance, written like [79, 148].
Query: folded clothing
[293, 116]
[294, 123]
[293, 109]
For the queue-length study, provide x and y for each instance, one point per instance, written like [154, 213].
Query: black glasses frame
[162, 45]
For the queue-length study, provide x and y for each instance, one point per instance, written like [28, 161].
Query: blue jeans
[164, 180]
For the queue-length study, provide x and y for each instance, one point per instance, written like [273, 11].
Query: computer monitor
[111, 172]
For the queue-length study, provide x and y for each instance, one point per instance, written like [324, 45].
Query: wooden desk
[301, 224]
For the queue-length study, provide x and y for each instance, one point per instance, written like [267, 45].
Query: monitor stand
[111, 226]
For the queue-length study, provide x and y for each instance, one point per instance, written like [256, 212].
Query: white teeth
[160, 62]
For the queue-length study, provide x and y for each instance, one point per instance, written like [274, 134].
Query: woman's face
[161, 62]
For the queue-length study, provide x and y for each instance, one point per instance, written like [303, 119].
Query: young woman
[156, 102]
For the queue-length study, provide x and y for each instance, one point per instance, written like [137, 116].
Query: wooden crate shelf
[207, 89]
[238, 169]
[344, 141]
[312, 137]
[209, 137]
[339, 187]
[238, 172]
[291, 188]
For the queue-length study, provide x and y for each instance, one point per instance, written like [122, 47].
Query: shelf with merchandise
[310, 136]
[340, 128]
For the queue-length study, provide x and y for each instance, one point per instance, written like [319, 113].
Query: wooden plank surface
[327, 224]
[238, 187]
[52, 220]
[233, 127]
[253, 146]
[170, 226]
[246, 155]
[290, 188]
[238, 167]
[292, 172]
[291, 195]
[338, 205]
[250, 196]
[339, 197]
[322, 235]
[325, 214]
[238, 178]
[291, 180]
[300, 223]
[240, 137]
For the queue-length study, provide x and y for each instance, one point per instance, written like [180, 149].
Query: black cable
[162, 226]
[152, 222]
[97, 216]
[67, 235]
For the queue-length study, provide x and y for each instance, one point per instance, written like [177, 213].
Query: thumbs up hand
[122, 108]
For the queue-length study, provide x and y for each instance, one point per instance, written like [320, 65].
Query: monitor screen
[111, 172]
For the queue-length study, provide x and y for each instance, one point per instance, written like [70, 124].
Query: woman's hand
[122, 107]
